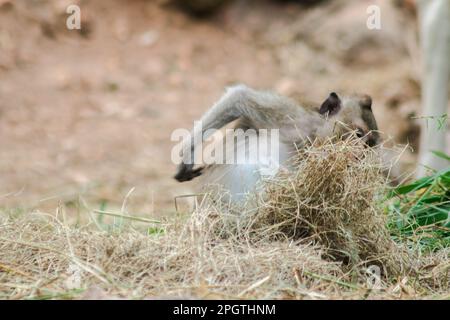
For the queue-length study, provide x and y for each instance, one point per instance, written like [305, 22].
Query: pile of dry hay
[313, 236]
[334, 197]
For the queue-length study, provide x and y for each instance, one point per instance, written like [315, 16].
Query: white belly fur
[242, 179]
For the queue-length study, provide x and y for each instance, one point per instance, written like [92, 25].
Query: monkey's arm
[260, 109]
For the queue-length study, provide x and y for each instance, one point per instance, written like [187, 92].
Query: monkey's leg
[260, 110]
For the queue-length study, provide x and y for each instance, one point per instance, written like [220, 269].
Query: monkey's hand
[186, 172]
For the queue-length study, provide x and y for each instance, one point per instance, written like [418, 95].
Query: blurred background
[89, 113]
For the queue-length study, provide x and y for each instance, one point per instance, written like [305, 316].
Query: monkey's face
[352, 114]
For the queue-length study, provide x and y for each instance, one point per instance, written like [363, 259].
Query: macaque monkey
[297, 125]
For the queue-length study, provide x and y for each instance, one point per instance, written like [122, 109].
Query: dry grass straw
[334, 197]
[312, 237]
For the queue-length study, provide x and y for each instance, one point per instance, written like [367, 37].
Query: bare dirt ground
[90, 113]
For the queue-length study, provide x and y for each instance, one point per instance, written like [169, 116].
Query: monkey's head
[352, 114]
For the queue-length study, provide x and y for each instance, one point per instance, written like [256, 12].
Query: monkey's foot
[187, 173]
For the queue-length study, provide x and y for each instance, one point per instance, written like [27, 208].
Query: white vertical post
[434, 19]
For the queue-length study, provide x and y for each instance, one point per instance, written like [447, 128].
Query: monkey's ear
[366, 102]
[331, 106]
